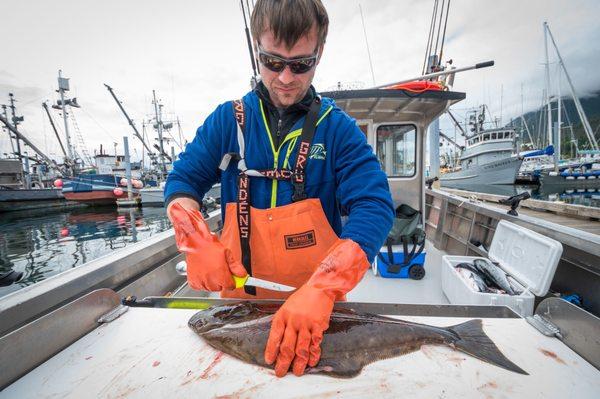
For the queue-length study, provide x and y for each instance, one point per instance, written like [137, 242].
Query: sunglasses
[278, 64]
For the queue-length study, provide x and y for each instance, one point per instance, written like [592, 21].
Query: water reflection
[578, 196]
[43, 243]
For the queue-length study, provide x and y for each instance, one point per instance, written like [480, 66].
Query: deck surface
[391, 290]
[151, 353]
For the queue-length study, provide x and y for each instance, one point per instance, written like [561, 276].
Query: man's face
[285, 87]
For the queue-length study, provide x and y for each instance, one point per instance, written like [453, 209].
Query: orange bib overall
[283, 244]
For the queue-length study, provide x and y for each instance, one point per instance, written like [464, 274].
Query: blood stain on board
[156, 363]
[552, 355]
[212, 365]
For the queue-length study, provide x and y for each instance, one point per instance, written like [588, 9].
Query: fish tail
[473, 341]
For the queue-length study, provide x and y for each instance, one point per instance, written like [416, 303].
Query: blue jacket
[341, 171]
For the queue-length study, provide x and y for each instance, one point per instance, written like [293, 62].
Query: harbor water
[43, 243]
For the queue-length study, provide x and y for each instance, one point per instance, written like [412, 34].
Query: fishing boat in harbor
[489, 156]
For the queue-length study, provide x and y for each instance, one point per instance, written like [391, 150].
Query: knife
[240, 282]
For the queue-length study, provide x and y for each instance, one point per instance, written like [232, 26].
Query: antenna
[253, 62]
[367, 42]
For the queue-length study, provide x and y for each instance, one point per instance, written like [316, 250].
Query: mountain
[570, 118]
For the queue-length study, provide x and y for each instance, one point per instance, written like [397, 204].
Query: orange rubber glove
[298, 326]
[210, 265]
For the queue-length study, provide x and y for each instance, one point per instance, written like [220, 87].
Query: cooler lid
[531, 258]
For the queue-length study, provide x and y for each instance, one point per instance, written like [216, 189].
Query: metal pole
[45, 106]
[137, 134]
[250, 51]
[435, 74]
[127, 167]
[12, 146]
[61, 90]
[559, 133]
[160, 137]
[367, 42]
[27, 175]
[548, 105]
[584, 120]
[29, 143]
[15, 124]
[434, 148]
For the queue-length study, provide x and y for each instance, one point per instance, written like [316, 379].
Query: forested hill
[591, 105]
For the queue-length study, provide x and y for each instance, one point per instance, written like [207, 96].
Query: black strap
[243, 203]
[243, 216]
[308, 132]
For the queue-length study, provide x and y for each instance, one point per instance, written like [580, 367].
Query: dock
[578, 217]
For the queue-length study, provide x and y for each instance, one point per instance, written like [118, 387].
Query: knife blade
[240, 282]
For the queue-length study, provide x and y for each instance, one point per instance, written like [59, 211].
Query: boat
[117, 326]
[154, 196]
[93, 189]
[488, 158]
[573, 178]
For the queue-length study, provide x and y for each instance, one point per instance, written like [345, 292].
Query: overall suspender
[297, 176]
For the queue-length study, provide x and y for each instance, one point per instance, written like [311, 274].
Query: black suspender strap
[308, 132]
[243, 216]
[243, 201]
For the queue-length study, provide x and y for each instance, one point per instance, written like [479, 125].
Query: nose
[286, 76]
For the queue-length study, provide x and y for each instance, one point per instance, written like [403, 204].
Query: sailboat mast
[584, 120]
[559, 120]
[547, 71]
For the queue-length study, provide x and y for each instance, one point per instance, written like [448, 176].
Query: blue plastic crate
[382, 268]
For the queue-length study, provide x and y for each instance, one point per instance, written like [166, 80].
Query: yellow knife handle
[240, 281]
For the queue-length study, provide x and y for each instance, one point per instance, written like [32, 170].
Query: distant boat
[154, 196]
[95, 189]
[489, 158]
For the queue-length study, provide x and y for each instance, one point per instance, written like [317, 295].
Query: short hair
[289, 20]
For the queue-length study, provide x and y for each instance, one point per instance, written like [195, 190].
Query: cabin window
[397, 149]
[493, 136]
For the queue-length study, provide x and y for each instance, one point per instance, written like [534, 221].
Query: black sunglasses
[278, 64]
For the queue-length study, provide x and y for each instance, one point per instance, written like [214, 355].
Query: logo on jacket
[317, 151]
[300, 240]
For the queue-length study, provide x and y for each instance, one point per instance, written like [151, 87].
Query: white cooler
[529, 258]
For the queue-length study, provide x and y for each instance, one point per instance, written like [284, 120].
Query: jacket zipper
[278, 133]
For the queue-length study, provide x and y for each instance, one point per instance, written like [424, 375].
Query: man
[289, 163]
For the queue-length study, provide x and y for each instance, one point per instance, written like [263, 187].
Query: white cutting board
[152, 353]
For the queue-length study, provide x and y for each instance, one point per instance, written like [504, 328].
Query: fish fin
[474, 341]
[344, 368]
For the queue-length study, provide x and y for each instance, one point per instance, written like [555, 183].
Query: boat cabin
[395, 123]
[492, 136]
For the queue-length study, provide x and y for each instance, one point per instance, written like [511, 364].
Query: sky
[194, 54]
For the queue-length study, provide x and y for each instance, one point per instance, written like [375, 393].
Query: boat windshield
[396, 149]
